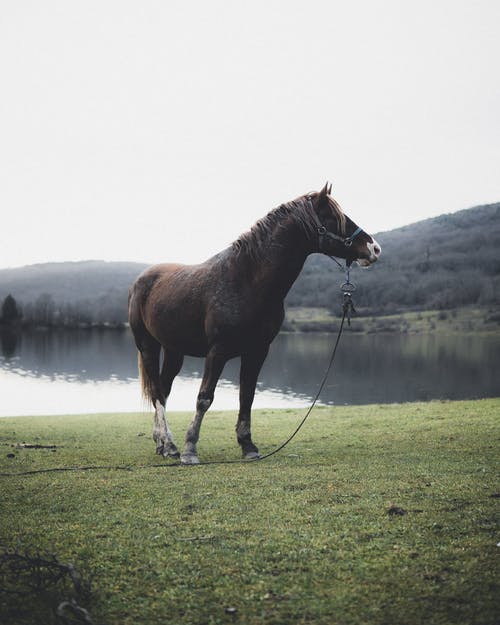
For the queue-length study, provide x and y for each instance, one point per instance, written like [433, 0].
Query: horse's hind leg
[172, 364]
[251, 364]
[162, 435]
[154, 389]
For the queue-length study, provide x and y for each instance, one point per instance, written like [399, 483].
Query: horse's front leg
[251, 364]
[214, 364]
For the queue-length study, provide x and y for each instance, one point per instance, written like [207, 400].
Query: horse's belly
[184, 338]
[188, 315]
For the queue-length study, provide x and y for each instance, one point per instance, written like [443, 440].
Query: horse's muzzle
[374, 251]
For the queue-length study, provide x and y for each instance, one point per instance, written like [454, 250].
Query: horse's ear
[330, 189]
[323, 193]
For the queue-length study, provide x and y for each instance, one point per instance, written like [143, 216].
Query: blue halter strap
[348, 240]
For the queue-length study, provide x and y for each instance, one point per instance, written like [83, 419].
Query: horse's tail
[142, 339]
[146, 384]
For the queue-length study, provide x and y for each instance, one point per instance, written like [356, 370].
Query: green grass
[303, 537]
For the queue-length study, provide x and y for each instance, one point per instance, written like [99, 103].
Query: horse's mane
[255, 242]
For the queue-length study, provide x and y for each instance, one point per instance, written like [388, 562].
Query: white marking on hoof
[189, 459]
[252, 455]
[170, 451]
[162, 434]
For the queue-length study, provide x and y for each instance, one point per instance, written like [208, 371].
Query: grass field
[373, 514]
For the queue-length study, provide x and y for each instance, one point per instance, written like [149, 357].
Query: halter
[324, 233]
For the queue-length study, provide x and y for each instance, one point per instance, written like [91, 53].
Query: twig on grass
[49, 583]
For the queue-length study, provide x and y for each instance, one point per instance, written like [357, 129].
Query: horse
[232, 305]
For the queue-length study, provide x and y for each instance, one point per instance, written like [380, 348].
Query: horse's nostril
[377, 250]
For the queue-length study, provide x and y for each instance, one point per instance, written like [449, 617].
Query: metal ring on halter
[348, 240]
[322, 230]
[347, 287]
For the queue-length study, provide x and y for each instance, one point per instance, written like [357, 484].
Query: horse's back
[189, 308]
[170, 301]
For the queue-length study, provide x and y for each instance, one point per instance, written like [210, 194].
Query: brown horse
[232, 305]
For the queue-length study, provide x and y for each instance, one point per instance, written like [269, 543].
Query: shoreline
[229, 412]
[305, 320]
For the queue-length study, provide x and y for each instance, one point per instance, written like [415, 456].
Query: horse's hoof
[252, 455]
[189, 459]
[170, 451]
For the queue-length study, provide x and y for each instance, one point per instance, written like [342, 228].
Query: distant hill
[68, 282]
[443, 262]
[71, 293]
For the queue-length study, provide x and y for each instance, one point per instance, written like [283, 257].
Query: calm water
[94, 371]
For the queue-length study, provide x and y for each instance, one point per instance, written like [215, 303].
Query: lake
[81, 371]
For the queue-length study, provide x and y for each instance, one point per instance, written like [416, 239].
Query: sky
[158, 130]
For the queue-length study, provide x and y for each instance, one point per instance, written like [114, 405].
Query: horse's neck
[286, 256]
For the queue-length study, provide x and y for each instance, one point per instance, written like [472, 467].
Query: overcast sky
[161, 130]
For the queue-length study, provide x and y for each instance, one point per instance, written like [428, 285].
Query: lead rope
[347, 289]
[345, 315]
[318, 393]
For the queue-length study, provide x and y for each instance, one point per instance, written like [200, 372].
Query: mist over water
[81, 371]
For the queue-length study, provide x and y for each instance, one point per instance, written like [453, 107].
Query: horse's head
[337, 235]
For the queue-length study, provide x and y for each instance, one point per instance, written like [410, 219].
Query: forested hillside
[70, 294]
[444, 262]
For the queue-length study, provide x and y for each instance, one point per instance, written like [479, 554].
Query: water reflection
[369, 368]
[9, 339]
[389, 368]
